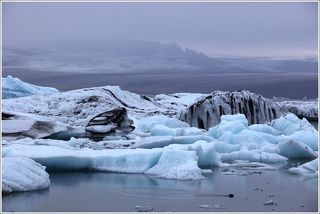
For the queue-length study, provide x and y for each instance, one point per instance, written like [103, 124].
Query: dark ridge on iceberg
[207, 111]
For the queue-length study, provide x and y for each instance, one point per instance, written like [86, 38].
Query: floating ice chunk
[205, 151]
[229, 123]
[218, 206]
[287, 124]
[304, 136]
[205, 206]
[206, 171]
[23, 174]
[269, 202]
[265, 128]
[116, 160]
[177, 164]
[223, 127]
[290, 123]
[158, 142]
[252, 156]
[144, 208]
[165, 163]
[307, 169]
[293, 149]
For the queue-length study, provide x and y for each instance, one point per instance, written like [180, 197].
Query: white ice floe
[14, 88]
[307, 169]
[23, 174]
[166, 163]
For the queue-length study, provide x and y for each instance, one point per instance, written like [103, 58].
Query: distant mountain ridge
[122, 56]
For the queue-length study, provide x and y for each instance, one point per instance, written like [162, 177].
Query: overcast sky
[246, 29]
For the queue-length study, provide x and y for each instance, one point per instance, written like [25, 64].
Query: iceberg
[14, 88]
[205, 151]
[207, 111]
[307, 169]
[23, 174]
[177, 164]
[65, 157]
[294, 149]
[290, 124]
[233, 124]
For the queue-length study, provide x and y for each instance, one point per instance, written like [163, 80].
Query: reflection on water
[92, 191]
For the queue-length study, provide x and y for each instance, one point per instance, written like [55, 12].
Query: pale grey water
[92, 191]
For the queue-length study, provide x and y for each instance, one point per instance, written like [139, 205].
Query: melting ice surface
[168, 148]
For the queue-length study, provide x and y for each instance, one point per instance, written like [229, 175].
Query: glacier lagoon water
[95, 191]
[279, 84]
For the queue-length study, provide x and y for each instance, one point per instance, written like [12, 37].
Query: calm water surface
[92, 191]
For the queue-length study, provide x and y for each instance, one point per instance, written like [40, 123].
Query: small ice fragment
[205, 206]
[218, 206]
[269, 202]
[206, 171]
[144, 208]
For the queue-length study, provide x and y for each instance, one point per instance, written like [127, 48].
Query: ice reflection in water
[92, 191]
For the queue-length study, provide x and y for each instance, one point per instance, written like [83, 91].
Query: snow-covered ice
[23, 174]
[20, 125]
[14, 88]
